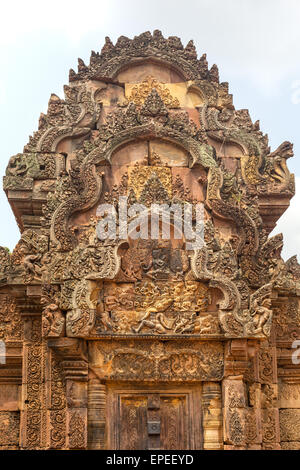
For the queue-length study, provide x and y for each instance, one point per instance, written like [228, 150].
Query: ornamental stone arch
[191, 347]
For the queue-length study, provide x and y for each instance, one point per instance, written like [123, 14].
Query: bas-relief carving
[139, 93]
[11, 326]
[110, 138]
[53, 320]
[149, 308]
[157, 361]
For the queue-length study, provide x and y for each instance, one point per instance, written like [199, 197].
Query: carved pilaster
[234, 412]
[267, 366]
[56, 403]
[212, 416]
[96, 414]
[242, 420]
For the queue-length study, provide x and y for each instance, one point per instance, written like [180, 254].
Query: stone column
[96, 414]
[212, 416]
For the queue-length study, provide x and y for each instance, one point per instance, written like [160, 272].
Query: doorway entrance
[163, 418]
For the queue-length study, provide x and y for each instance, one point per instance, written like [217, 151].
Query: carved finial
[157, 35]
[256, 125]
[175, 43]
[143, 39]
[190, 50]
[72, 75]
[203, 65]
[214, 74]
[53, 98]
[123, 43]
[203, 59]
[81, 66]
[42, 121]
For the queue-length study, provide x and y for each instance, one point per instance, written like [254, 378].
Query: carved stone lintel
[161, 361]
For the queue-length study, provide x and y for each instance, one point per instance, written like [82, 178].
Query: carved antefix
[145, 281]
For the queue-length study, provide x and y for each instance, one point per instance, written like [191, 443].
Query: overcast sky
[255, 44]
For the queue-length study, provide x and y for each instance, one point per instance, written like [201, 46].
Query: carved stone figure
[53, 321]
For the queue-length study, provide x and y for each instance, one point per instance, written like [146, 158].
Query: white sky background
[255, 43]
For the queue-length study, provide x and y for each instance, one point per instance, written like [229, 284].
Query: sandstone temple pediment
[107, 335]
